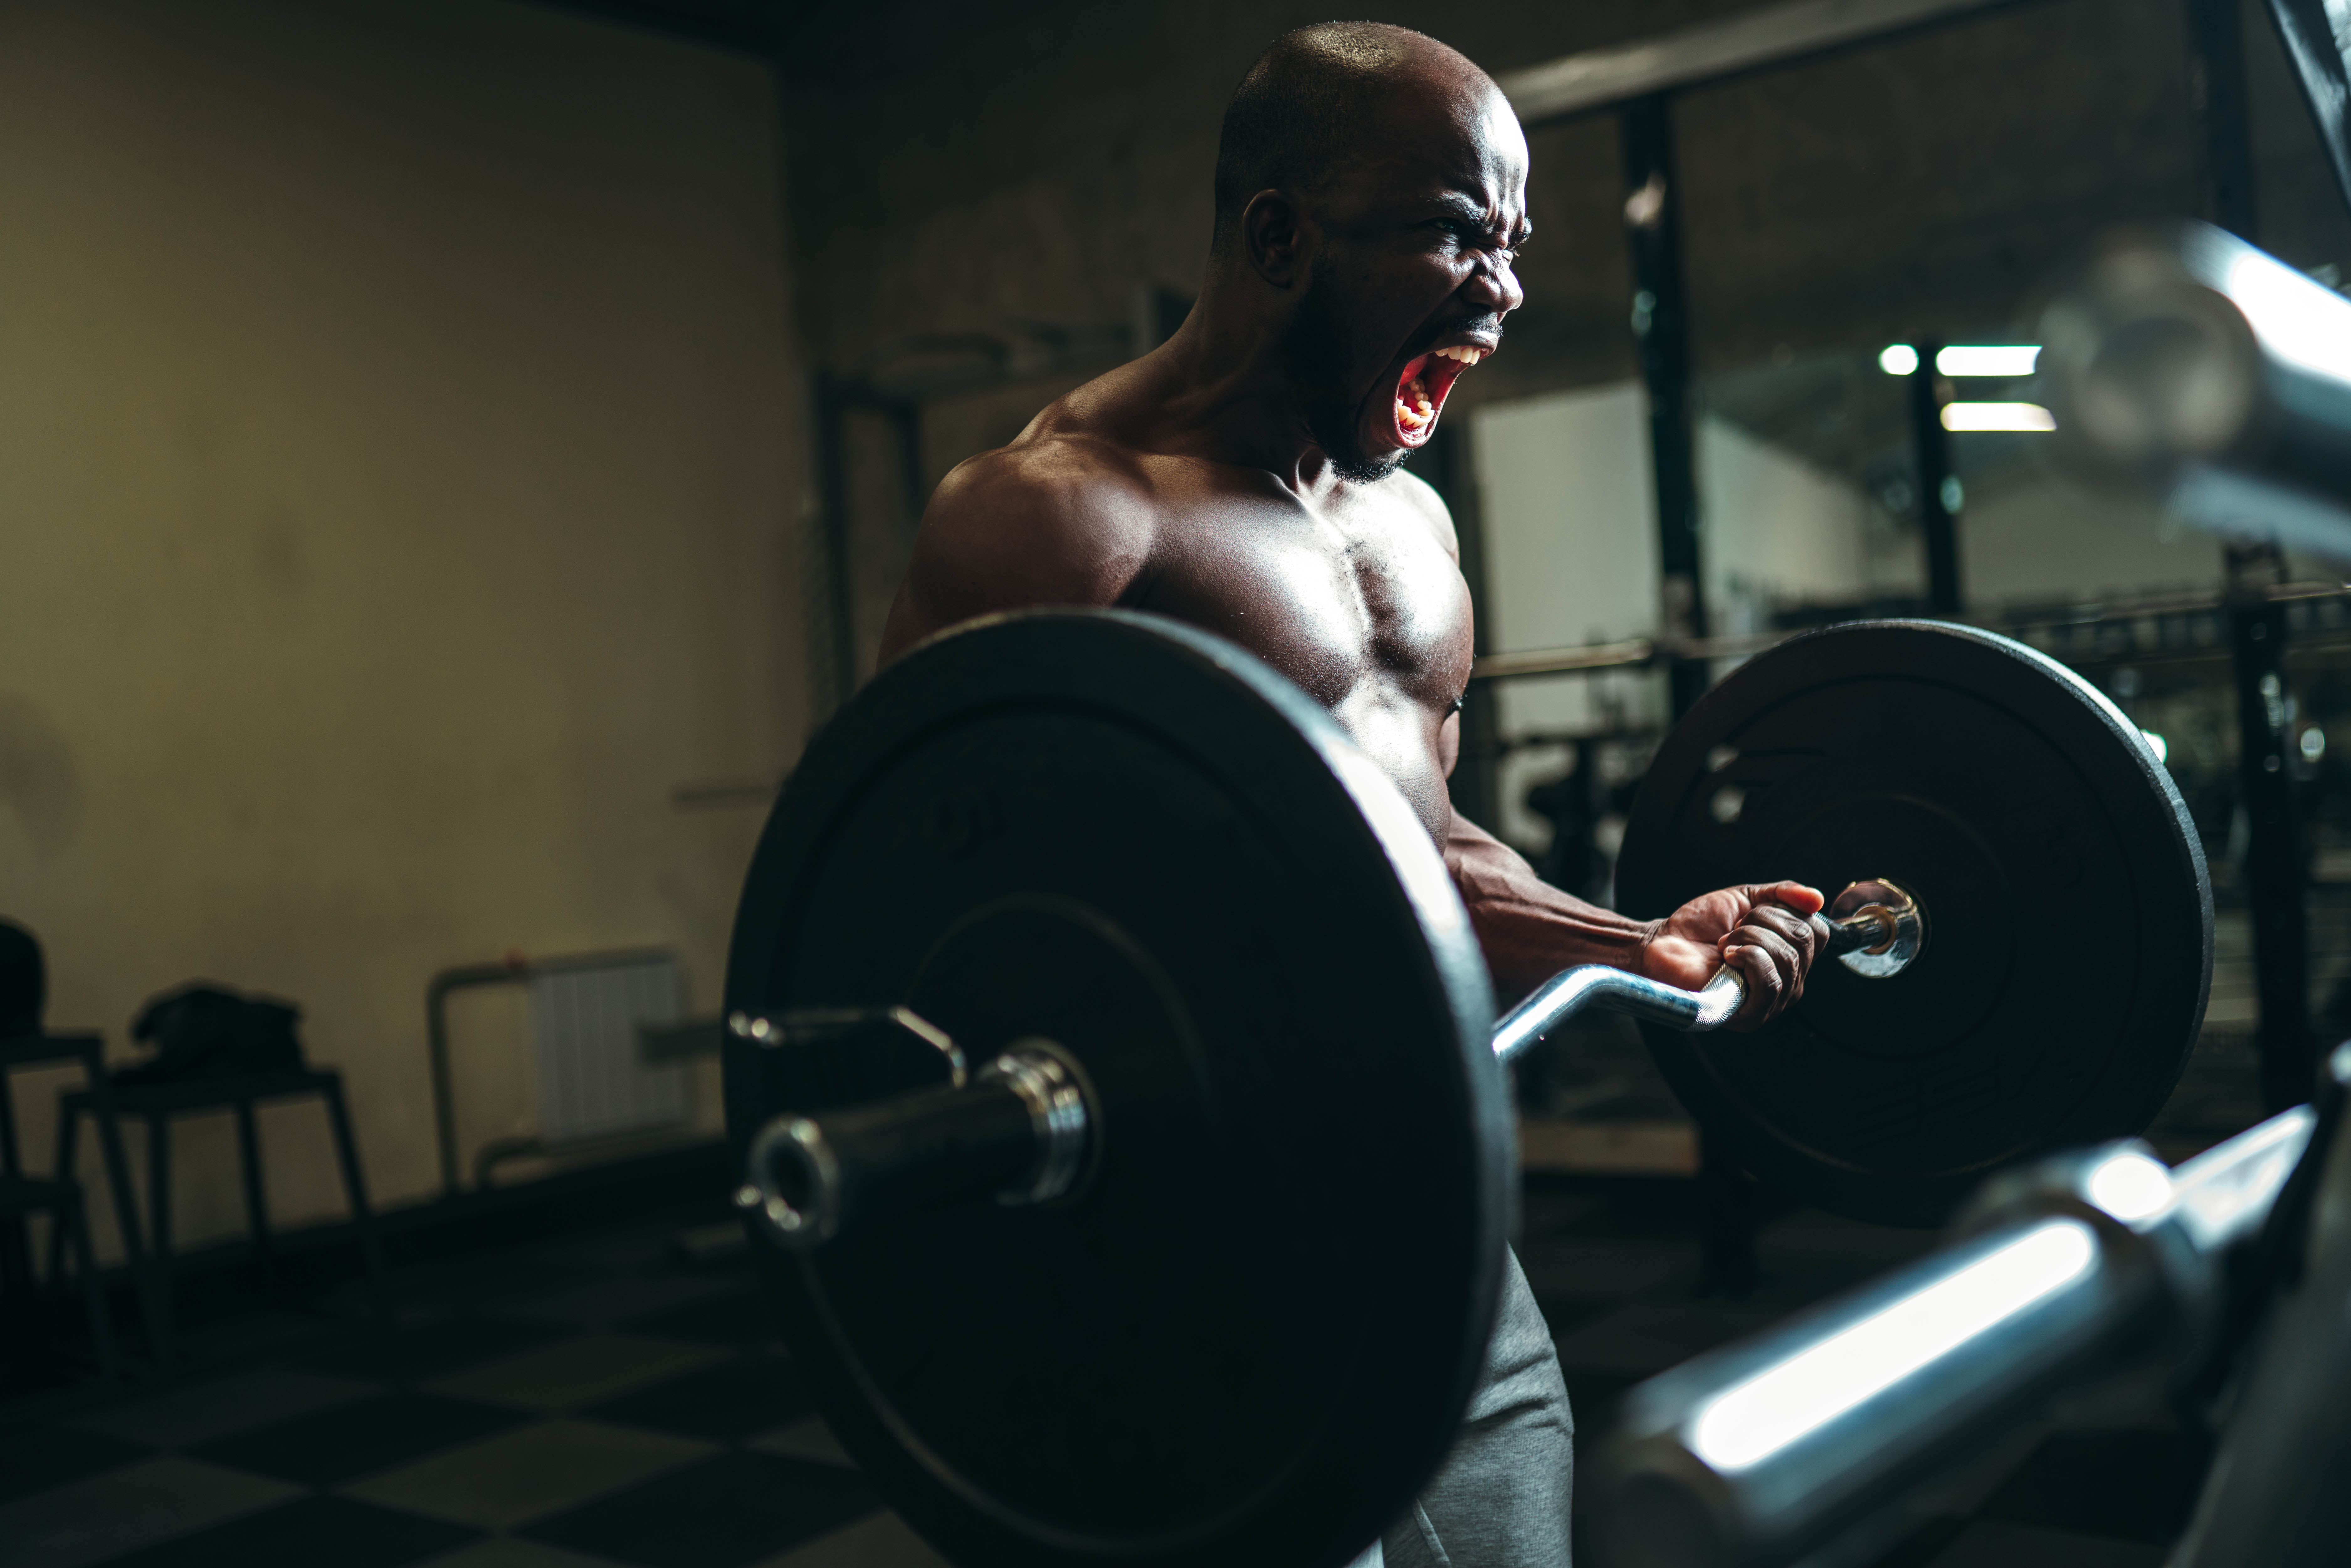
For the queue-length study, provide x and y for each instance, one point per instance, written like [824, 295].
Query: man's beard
[1315, 347]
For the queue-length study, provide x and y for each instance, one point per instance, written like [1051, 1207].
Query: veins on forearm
[1531, 930]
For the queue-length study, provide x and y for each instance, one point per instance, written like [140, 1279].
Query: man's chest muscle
[1329, 605]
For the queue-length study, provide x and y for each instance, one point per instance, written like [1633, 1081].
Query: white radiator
[593, 1080]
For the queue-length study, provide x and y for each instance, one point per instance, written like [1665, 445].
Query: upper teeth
[1466, 355]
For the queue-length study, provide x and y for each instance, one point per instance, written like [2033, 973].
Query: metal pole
[2257, 629]
[1661, 324]
[1937, 518]
[2216, 64]
[2257, 633]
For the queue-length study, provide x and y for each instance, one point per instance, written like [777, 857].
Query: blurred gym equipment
[2185, 361]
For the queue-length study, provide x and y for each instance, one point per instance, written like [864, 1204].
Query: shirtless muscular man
[1245, 476]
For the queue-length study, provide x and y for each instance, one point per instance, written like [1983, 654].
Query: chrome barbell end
[1879, 928]
[792, 1185]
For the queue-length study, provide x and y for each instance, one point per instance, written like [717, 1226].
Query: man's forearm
[1530, 929]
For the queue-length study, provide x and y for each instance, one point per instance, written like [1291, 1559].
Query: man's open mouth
[1420, 391]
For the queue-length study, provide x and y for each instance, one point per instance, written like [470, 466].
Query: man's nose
[1494, 287]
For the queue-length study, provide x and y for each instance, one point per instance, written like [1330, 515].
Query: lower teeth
[1420, 411]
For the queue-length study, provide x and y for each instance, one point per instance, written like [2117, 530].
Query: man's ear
[1271, 235]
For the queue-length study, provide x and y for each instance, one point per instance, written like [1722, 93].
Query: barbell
[1198, 1263]
[1025, 1128]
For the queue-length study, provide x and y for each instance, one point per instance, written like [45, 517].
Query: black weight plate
[2069, 942]
[1253, 1336]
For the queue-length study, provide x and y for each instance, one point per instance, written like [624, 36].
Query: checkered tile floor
[586, 1407]
[590, 1404]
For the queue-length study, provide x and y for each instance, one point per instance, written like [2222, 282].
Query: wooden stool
[158, 1102]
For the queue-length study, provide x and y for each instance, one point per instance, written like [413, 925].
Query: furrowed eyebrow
[1470, 212]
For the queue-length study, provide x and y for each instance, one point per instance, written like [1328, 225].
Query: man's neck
[1228, 395]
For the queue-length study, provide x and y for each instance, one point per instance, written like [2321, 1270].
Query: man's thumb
[1793, 895]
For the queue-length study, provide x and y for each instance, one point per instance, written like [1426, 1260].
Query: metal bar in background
[512, 969]
[1635, 652]
[1937, 518]
[2273, 871]
[2322, 62]
[2216, 56]
[2041, 627]
[1661, 323]
[1768, 35]
[2257, 625]
[1631, 653]
[1733, 1457]
[436, 1046]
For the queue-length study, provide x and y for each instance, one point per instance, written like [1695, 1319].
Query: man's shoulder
[1056, 518]
[1053, 466]
[1052, 478]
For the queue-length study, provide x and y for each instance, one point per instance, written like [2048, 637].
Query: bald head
[1371, 198]
[1317, 94]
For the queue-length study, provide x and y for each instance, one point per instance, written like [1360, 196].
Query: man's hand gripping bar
[1875, 928]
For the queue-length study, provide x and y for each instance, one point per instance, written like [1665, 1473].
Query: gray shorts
[1500, 1500]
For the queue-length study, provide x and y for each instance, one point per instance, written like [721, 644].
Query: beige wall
[2039, 539]
[400, 497]
[1567, 507]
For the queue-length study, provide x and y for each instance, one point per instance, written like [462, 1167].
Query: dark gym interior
[463, 792]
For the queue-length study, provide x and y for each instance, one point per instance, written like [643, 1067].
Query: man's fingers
[1783, 955]
[1775, 974]
[1799, 930]
[1771, 944]
[1764, 985]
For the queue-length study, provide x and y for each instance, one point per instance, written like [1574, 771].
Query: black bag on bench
[203, 1031]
